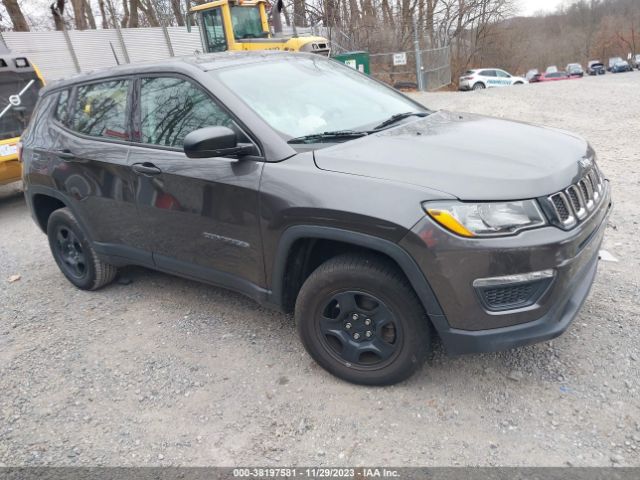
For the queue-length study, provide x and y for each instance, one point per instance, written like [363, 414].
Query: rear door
[489, 77]
[201, 215]
[92, 167]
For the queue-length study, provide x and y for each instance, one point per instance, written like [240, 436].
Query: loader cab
[243, 25]
[226, 25]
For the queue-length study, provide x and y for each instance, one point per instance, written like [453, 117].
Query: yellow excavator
[243, 25]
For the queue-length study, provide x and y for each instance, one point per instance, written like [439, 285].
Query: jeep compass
[313, 188]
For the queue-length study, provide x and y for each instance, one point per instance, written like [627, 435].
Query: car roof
[204, 62]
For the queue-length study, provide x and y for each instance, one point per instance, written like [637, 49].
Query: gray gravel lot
[166, 371]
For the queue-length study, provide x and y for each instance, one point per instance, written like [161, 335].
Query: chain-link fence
[399, 69]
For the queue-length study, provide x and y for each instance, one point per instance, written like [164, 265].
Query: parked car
[635, 61]
[553, 77]
[479, 79]
[596, 67]
[621, 66]
[574, 70]
[536, 78]
[613, 61]
[551, 69]
[531, 74]
[371, 217]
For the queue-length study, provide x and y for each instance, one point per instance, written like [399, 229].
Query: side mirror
[214, 142]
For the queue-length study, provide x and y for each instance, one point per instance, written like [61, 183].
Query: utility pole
[416, 47]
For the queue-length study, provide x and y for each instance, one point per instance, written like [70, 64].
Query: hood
[468, 156]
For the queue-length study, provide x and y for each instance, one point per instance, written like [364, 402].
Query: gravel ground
[166, 371]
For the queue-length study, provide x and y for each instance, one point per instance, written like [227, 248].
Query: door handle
[146, 168]
[66, 155]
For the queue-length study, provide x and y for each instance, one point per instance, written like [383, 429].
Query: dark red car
[551, 77]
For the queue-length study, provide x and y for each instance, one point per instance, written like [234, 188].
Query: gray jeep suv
[312, 188]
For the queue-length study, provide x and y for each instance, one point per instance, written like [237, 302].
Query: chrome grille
[576, 202]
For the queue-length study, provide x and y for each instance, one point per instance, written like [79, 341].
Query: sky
[531, 7]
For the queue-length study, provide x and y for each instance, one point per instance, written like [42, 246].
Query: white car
[488, 78]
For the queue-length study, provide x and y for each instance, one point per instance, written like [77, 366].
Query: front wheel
[359, 318]
[74, 254]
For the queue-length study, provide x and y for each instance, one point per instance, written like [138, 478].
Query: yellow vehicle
[20, 82]
[243, 25]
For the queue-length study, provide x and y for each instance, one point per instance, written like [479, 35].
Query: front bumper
[451, 264]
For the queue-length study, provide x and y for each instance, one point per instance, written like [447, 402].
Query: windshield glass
[304, 96]
[246, 22]
[18, 96]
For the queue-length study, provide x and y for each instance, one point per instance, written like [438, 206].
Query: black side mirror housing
[214, 142]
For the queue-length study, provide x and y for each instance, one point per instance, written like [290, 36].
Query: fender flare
[32, 190]
[402, 258]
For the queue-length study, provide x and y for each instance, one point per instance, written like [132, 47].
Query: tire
[74, 253]
[337, 337]
[518, 83]
[478, 86]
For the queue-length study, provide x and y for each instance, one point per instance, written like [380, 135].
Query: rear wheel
[359, 319]
[479, 86]
[74, 254]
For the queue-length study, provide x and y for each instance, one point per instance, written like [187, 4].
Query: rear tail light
[467, 78]
[19, 148]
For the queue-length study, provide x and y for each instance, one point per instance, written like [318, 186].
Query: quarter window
[101, 109]
[171, 108]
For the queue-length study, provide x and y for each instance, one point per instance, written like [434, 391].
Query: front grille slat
[575, 203]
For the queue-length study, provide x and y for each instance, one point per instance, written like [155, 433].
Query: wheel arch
[291, 268]
[43, 201]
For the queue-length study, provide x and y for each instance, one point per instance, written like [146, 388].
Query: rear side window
[488, 73]
[101, 109]
[171, 108]
[62, 108]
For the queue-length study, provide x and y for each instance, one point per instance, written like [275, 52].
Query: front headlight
[486, 219]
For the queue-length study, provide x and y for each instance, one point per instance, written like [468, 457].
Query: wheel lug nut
[347, 326]
[367, 322]
[368, 334]
[355, 316]
[356, 335]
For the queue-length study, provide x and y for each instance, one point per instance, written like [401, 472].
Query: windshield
[246, 22]
[18, 96]
[302, 96]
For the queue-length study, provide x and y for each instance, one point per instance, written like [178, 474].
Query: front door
[201, 215]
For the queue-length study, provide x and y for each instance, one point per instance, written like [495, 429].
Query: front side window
[214, 30]
[171, 108]
[100, 109]
[307, 95]
[247, 22]
[502, 74]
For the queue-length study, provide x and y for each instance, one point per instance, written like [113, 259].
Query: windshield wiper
[337, 135]
[399, 116]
